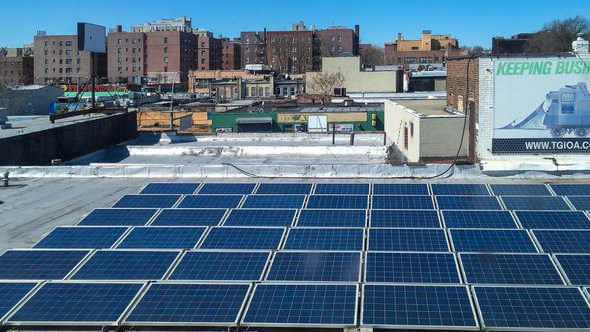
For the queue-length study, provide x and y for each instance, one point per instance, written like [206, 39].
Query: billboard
[91, 38]
[541, 105]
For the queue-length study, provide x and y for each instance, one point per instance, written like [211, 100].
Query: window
[68, 70]
[253, 91]
[165, 59]
[61, 70]
[410, 60]
[69, 43]
[133, 50]
[425, 60]
[165, 68]
[133, 69]
[339, 38]
[119, 41]
[46, 52]
[46, 43]
[202, 53]
[119, 69]
[412, 129]
[133, 60]
[119, 50]
[202, 44]
[68, 61]
[165, 40]
[294, 40]
[415, 48]
[294, 50]
[333, 38]
[78, 61]
[46, 70]
[61, 43]
[247, 59]
[119, 60]
[203, 61]
[46, 61]
[61, 61]
[165, 50]
[69, 52]
[61, 52]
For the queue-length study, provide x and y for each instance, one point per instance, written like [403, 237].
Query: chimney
[357, 30]
[118, 28]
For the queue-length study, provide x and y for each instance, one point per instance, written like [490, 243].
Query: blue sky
[473, 22]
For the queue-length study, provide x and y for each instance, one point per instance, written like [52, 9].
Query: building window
[46, 43]
[61, 61]
[69, 52]
[68, 70]
[202, 61]
[410, 60]
[68, 61]
[78, 61]
[165, 68]
[202, 53]
[69, 43]
[61, 43]
[339, 38]
[165, 40]
[425, 60]
[165, 59]
[294, 50]
[202, 44]
[119, 50]
[46, 61]
[165, 50]
[119, 41]
[415, 48]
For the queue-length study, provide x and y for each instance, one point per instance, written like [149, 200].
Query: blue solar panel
[550, 203]
[580, 202]
[338, 202]
[11, 293]
[538, 308]
[126, 265]
[221, 266]
[407, 267]
[576, 268]
[284, 188]
[400, 189]
[562, 241]
[342, 189]
[162, 238]
[85, 303]
[520, 190]
[461, 189]
[478, 219]
[315, 266]
[147, 201]
[82, 237]
[227, 188]
[189, 217]
[39, 264]
[417, 306]
[260, 217]
[468, 203]
[300, 304]
[332, 218]
[210, 201]
[243, 238]
[553, 219]
[510, 269]
[274, 201]
[405, 218]
[325, 239]
[492, 240]
[170, 188]
[118, 217]
[407, 239]
[402, 202]
[571, 189]
[190, 304]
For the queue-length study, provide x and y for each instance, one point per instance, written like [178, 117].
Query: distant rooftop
[427, 107]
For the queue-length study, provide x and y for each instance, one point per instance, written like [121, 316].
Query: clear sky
[473, 22]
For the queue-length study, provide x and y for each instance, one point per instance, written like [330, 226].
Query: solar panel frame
[571, 189]
[429, 234]
[294, 241]
[55, 244]
[269, 188]
[132, 240]
[538, 219]
[472, 202]
[520, 190]
[257, 287]
[189, 217]
[331, 218]
[530, 309]
[575, 275]
[210, 188]
[532, 203]
[338, 202]
[8, 303]
[210, 201]
[580, 202]
[128, 321]
[244, 217]
[399, 202]
[460, 189]
[147, 201]
[401, 189]
[312, 258]
[130, 216]
[170, 188]
[532, 248]
[419, 304]
[425, 217]
[578, 239]
[15, 271]
[474, 219]
[415, 262]
[273, 202]
[205, 243]
[342, 189]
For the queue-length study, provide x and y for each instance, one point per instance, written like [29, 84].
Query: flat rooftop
[34, 123]
[427, 107]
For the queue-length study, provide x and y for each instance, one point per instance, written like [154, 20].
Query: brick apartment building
[209, 52]
[126, 56]
[16, 67]
[230, 54]
[339, 40]
[426, 50]
[57, 60]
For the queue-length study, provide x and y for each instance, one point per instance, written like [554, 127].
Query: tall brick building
[339, 40]
[16, 67]
[426, 50]
[126, 56]
[231, 58]
[209, 51]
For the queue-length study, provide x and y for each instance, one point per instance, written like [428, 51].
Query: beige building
[200, 80]
[422, 131]
[355, 80]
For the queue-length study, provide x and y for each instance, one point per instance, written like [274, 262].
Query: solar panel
[39, 264]
[478, 219]
[413, 306]
[407, 239]
[210, 201]
[162, 238]
[81, 237]
[147, 201]
[576, 268]
[84, 303]
[342, 189]
[550, 203]
[535, 308]
[118, 217]
[571, 189]
[509, 269]
[405, 218]
[338, 202]
[189, 217]
[227, 188]
[332, 218]
[491, 240]
[580, 202]
[274, 202]
[126, 265]
[325, 239]
[302, 305]
[243, 238]
[411, 267]
[260, 217]
[284, 188]
[563, 241]
[461, 189]
[553, 219]
[520, 190]
[11, 293]
[221, 266]
[168, 188]
[189, 304]
[468, 203]
[402, 202]
[315, 266]
[400, 189]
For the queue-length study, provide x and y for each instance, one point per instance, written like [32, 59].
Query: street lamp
[172, 101]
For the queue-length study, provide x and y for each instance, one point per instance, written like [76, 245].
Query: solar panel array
[410, 256]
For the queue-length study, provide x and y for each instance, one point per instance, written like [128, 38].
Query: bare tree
[324, 83]
[372, 56]
[557, 36]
